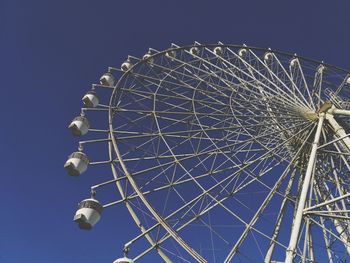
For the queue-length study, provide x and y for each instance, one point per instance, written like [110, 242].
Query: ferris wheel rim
[276, 51]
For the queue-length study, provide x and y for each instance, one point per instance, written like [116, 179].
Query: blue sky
[51, 52]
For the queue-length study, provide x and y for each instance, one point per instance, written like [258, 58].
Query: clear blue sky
[51, 52]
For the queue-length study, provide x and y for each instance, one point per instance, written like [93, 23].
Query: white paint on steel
[302, 198]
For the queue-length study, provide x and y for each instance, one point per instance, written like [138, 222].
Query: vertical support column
[339, 130]
[305, 188]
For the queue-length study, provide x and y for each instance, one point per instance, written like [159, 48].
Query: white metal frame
[254, 114]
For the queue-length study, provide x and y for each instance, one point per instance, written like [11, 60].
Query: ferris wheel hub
[325, 107]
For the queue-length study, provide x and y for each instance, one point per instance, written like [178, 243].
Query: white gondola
[123, 260]
[77, 163]
[348, 80]
[88, 213]
[243, 52]
[194, 51]
[293, 62]
[321, 68]
[218, 51]
[171, 54]
[91, 99]
[268, 56]
[126, 66]
[107, 79]
[148, 58]
[79, 126]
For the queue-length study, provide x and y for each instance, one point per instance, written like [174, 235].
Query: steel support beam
[303, 195]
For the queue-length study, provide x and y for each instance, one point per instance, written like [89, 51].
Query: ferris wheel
[220, 153]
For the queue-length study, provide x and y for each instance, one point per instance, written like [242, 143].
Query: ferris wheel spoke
[221, 114]
[298, 70]
[240, 79]
[298, 86]
[176, 183]
[195, 218]
[262, 99]
[208, 152]
[274, 76]
[225, 179]
[210, 97]
[188, 99]
[252, 74]
[168, 96]
[174, 75]
[176, 83]
[244, 222]
[190, 203]
[298, 77]
[164, 224]
[317, 85]
[260, 103]
[257, 105]
[256, 216]
[263, 206]
[342, 85]
[253, 175]
[231, 129]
